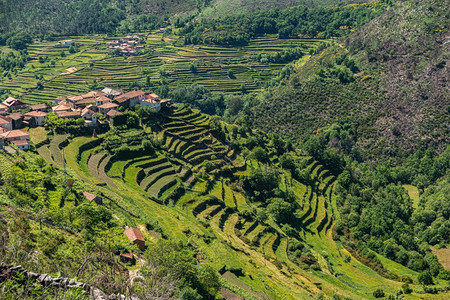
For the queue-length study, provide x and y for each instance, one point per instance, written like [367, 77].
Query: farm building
[83, 103]
[102, 100]
[127, 258]
[73, 100]
[135, 236]
[89, 116]
[112, 113]
[152, 102]
[65, 44]
[92, 197]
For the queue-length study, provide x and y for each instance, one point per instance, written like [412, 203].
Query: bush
[379, 293]
[425, 278]
[406, 288]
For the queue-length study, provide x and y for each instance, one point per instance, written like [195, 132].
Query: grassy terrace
[74, 73]
[210, 212]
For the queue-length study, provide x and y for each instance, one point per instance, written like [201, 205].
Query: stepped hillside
[388, 78]
[294, 151]
[265, 222]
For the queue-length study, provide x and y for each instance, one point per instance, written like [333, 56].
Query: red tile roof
[127, 255]
[38, 106]
[20, 142]
[134, 234]
[16, 116]
[67, 114]
[10, 101]
[90, 196]
[61, 107]
[113, 113]
[5, 120]
[15, 134]
[108, 105]
[92, 94]
[86, 101]
[128, 95]
[87, 111]
[75, 98]
[103, 99]
[36, 114]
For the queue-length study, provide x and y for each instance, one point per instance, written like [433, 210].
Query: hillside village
[128, 45]
[93, 108]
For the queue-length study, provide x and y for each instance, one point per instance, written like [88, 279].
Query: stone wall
[59, 283]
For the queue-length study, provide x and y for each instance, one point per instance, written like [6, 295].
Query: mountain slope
[390, 79]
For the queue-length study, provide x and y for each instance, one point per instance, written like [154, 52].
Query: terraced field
[180, 186]
[170, 59]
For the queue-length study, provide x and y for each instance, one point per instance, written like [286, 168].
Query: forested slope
[390, 78]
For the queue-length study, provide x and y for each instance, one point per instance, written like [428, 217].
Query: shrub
[378, 293]
[406, 288]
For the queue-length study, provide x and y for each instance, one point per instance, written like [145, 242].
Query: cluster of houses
[128, 45]
[88, 107]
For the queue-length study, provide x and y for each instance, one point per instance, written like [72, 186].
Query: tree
[193, 68]
[280, 210]
[425, 278]
[80, 121]
[19, 41]
[235, 105]
[260, 154]
[91, 216]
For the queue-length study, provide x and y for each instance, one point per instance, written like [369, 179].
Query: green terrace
[181, 185]
[169, 60]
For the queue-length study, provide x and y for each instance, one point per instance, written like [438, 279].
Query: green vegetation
[294, 22]
[309, 161]
[281, 218]
[163, 67]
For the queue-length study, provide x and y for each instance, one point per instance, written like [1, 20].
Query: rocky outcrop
[59, 283]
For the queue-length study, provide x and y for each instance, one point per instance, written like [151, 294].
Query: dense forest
[299, 21]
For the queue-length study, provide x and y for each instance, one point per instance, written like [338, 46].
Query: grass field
[413, 193]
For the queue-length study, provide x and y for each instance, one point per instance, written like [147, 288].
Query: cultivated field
[165, 58]
[171, 187]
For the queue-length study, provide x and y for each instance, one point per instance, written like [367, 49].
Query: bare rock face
[62, 282]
